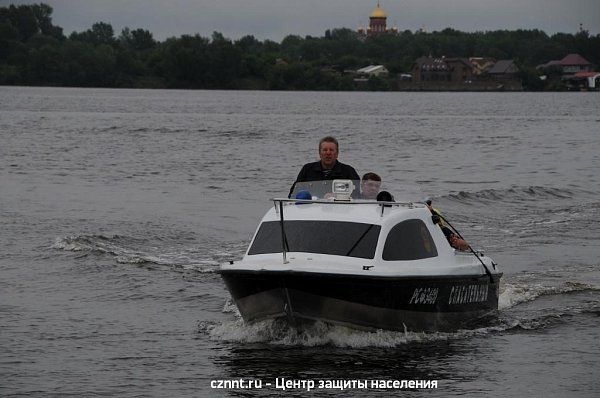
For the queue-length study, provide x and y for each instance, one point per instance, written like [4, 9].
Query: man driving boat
[328, 167]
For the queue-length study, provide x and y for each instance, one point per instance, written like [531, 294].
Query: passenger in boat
[369, 186]
[328, 168]
[455, 241]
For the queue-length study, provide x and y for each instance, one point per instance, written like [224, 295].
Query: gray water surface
[117, 207]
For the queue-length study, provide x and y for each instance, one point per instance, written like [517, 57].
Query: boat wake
[204, 258]
[512, 294]
[511, 195]
[278, 332]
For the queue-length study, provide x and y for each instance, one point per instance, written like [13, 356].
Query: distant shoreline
[5, 86]
[34, 52]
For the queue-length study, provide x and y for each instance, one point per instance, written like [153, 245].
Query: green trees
[29, 20]
[137, 39]
[35, 52]
[100, 33]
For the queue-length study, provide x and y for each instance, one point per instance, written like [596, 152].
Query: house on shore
[568, 66]
[584, 81]
[480, 65]
[504, 74]
[429, 69]
[503, 70]
[461, 74]
[372, 70]
[573, 72]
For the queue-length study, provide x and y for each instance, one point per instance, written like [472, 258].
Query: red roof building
[574, 63]
[574, 60]
[569, 65]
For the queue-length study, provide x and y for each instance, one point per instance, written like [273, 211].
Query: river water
[117, 206]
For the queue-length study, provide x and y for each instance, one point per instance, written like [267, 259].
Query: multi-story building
[426, 69]
[568, 66]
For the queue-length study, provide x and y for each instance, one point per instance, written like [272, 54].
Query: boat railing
[279, 202]
[348, 202]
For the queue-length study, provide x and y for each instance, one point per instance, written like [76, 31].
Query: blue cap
[303, 195]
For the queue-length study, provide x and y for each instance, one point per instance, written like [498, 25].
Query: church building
[377, 23]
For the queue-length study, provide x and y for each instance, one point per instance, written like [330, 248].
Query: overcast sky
[274, 19]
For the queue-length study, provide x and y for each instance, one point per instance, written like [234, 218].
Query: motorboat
[325, 254]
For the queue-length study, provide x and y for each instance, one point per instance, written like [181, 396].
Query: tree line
[33, 51]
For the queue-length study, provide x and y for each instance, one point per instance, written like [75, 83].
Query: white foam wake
[516, 293]
[322, 334]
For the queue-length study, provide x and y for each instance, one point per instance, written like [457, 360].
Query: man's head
[370, 185]
[328, 151]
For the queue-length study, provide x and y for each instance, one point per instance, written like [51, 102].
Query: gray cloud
[274, 19]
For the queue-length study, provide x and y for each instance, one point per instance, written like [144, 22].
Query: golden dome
[378, 12]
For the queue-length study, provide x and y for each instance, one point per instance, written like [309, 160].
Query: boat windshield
[321, 189]
[310, 236]
[363, 190]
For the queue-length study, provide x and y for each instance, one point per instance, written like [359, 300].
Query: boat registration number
[424, 295]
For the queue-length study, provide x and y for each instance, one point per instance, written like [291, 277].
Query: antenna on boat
[487, 271]
[283, 237]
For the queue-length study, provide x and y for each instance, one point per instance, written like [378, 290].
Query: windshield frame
[322, 189]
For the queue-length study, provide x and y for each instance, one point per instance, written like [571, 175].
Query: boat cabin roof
[339, 235]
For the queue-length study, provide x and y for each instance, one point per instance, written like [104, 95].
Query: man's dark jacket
[314, 172]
